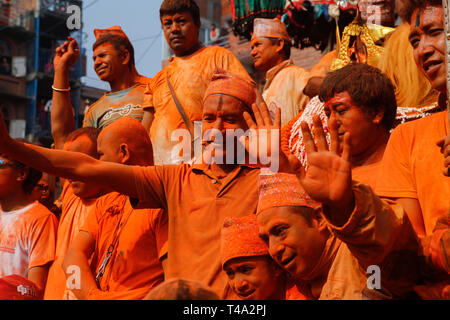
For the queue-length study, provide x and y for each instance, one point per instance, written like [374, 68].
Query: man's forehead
[219, 102]
[425, 16]
[175, 15]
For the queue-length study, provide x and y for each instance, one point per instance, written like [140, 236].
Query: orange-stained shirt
[412, 167]
[367, 174]
[197, 202]
[189, 76]
[135, 267]
[115, 105]
[284, 87]
[73, 213]
[27, 239]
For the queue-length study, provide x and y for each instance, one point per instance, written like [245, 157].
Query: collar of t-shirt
[18, 211]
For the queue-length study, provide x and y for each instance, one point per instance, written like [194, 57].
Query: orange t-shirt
[189, 76]
[367, 174]
[135, 265]
[115, 105]
[74, 212]
[412, 167]
[197, 202]
[27, 239]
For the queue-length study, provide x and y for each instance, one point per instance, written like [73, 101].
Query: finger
[249, 120]
[446, 172]
[258, 116]
[296, 167]
[265, 114]
[322, 144]
[346, 152]
[334, 136]
[308, 140]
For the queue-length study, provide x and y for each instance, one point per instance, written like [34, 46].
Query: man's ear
[126, 57]
[22, 174]
[378, 118]
[124, 153]
[279, 45]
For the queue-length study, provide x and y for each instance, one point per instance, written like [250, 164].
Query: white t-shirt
[27, 239]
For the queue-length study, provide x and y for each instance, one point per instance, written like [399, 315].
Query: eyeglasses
[5, 163]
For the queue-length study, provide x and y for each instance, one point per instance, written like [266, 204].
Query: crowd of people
[332, 183]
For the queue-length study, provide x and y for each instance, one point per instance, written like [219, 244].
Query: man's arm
[78, 256]
[62, 116]
[38, 275]
[70, 165]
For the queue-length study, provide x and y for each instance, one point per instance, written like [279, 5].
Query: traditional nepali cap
[239, 238]
[225, 83]
[270, 28]
[111, 30]
[15, 287]
[282, 189]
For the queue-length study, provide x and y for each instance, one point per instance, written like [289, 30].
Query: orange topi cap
[225, 83]
[270, 28]
[239, 238]
[282, 189]
[111, 30]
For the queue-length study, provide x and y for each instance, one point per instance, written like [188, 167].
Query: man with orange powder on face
[188, 74]
[271, 51]
[114, 63]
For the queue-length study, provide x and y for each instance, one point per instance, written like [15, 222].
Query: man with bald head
[126, 245]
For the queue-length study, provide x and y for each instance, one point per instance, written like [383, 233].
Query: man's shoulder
[416, 127]
[38, 211]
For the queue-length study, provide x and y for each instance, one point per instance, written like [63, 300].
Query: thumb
[296, 166]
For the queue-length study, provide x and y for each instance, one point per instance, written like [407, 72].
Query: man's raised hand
[66, 55]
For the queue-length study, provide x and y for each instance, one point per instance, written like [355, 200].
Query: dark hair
[410, 5]
[33, 175]
[178, 6]
[367, 86]
[286, 47]
[119, 43]
[90, 132]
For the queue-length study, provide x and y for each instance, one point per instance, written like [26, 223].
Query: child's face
[253, 278]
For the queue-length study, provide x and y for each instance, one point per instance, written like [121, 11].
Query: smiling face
[181, 32]
[351, 118]
[109, 63]
[254, 278]
[294, 244]
[427, 37]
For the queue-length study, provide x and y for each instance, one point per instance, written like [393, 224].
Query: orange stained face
[84, 145]
[293, 243]
[264, 53]
[351, 118]
[222, 115]
[42, 189]
[180, 31]
[253, 278]
[427, 37]
[109, 63]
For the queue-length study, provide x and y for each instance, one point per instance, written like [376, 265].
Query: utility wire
[148, 48]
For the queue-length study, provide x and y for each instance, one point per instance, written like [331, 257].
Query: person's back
[76, 199]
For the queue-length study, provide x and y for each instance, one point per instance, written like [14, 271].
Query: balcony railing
[15, 16]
